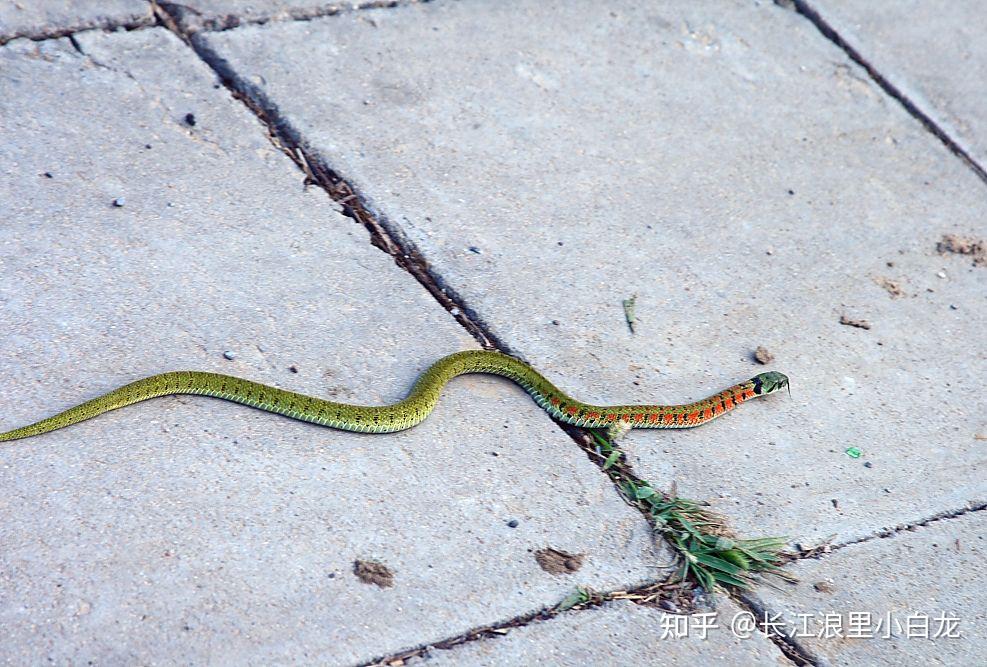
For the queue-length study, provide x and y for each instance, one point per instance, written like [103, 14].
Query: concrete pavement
[736, 169]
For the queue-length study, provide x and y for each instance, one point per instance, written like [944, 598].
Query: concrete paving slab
[195, 15]
[150, 225]
[45, 18]
[620, 633]
[933, 52]
[733, 170]
[911, 599]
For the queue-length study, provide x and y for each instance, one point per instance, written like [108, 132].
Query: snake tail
[419, 402]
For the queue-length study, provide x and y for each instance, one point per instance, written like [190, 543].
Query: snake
[419, 402]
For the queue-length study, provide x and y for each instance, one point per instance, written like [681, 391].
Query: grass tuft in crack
[710, 554]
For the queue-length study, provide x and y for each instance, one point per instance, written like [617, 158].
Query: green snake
[413, 409]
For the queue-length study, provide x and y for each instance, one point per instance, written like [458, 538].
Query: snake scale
[420, 401]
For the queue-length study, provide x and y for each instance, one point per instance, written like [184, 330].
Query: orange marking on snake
[639, 417]
[749, 393]
[708, 413]
[611, 417]
[693, 417]
[718, 408]
[668, 417]
[553, 400]
[592, 415]
[655, 418]
[572, 410]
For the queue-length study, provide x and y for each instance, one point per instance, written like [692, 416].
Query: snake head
[770, 382]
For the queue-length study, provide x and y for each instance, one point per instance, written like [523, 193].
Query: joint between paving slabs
[823, 550]
[382, 235]
[786, 643]
[657, 594]
[233, 21]
[58, 33]
[806, 10]
[793, 649]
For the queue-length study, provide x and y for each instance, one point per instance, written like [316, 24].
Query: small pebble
[119, 202]
[868, 464]
[48, 175]
[190, 119]
[791, 192]
[941, 274]
[953, 307]
[823, 587]
[454, 312]
[555, 322]
[512, 523]
[293, 368]
[229, 355]
[476, 250]
[147, 146]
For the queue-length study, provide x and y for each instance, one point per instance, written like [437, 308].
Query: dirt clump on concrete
[892, 287]
[556, 561]
[372, 572]
[963, 245]
[860, 324]
[762, 356]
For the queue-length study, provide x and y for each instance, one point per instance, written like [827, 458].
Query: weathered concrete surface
[731, 168]
[43, 18]
[934, 52]
[619, 633]
[922, 579]
[190, 530]
[195, 15]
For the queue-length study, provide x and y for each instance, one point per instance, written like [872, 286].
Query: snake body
[419, 402]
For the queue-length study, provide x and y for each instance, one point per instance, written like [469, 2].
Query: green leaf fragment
[718, 564]
[644, 492]
[737, 558]
[572, 599]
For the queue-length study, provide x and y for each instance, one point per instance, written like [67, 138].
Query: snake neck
[563, 407]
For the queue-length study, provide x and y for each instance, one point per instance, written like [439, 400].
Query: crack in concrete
[231, 21]
[826, 549]
[813, 16]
